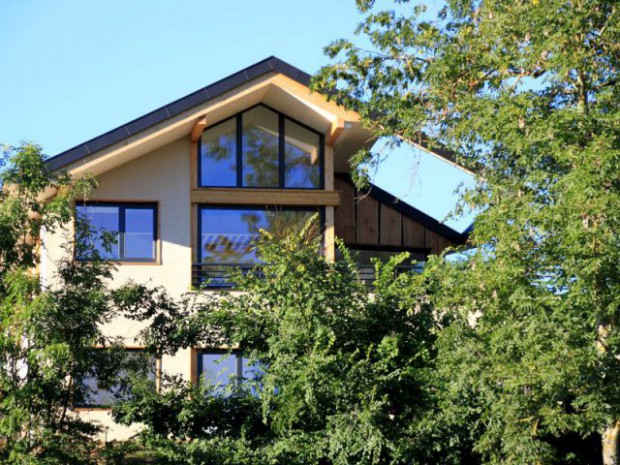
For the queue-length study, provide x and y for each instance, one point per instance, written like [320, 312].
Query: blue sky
[73, 69]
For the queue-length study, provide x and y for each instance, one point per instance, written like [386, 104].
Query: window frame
[320, 210]
[238, 117]
[122, 220]
[242, 363]
[106, 407]
[199, 228]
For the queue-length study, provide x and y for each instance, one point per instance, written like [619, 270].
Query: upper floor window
[117, 231]
[261, 148]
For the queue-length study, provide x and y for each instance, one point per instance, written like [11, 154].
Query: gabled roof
[271, 64]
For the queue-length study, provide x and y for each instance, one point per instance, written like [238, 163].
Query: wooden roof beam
[335, 130]
[199, 126]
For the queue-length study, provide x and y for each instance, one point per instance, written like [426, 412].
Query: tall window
[228, 237]
[261, 148]
[126, 232]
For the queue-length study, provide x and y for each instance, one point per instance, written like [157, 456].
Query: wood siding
[361, 220]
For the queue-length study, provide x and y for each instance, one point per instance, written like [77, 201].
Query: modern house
[185, 189]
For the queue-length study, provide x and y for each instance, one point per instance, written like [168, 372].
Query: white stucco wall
[161, 176]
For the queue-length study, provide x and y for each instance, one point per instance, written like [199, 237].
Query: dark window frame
[238, 376]
[238, 117]
[200, 207]
[122, 207]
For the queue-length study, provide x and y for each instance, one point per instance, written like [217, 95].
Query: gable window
[261, 148]
[228, 237]
[225, 371]
[111, 385]
[117, 231]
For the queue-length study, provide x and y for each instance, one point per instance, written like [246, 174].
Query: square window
[126, 232]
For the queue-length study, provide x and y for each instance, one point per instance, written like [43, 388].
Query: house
[185, 188]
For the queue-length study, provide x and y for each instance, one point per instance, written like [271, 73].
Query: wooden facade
[377, 219]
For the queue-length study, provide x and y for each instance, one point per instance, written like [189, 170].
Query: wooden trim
[329, 167]
[239, 196]
[330, 235]
[199, 126]
[193, 366]
[335, 130]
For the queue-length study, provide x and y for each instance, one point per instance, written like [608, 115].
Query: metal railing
[221, 275]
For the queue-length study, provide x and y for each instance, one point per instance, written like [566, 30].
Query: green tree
[343, 370]
[47, 334]
[525, 94]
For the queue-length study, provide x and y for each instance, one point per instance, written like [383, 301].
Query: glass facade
[228, 236]
[226, 371]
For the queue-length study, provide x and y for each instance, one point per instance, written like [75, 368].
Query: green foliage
[47, 334]
[345, 369]
[526, 95]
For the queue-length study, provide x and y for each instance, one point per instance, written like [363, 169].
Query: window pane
[228, 236]
[260, 148]
[218, 155]
[301, 157]
[139, 233]
[101, 394]
[100, 234]
[219, 369]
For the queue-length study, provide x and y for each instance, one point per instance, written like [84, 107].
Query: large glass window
[116, 231]
[301, 156]
[228, 237]
[107, 384]
[261, 148]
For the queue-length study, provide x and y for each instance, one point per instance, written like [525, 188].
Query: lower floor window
[226, 371]
[108, 381]
[228, 238]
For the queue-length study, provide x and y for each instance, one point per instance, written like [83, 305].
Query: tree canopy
[525, 94]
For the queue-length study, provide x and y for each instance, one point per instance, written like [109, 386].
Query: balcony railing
[220, 275]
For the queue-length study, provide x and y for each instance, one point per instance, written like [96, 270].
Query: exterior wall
[168, 176]
[162, 176]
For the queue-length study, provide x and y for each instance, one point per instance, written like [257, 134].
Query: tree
[47, 335]
[526, 95]
[342, 370]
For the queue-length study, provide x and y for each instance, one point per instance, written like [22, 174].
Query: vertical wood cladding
[363, 220]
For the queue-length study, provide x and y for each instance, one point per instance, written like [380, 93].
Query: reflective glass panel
[139, 233]
[260, 148]
[219, 369]
[228, 236]
[301, 157]
[98, 231]
[218, 155]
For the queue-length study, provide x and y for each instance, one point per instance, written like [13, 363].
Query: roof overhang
[272, 82]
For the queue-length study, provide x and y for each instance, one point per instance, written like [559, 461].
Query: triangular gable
[376, 218]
